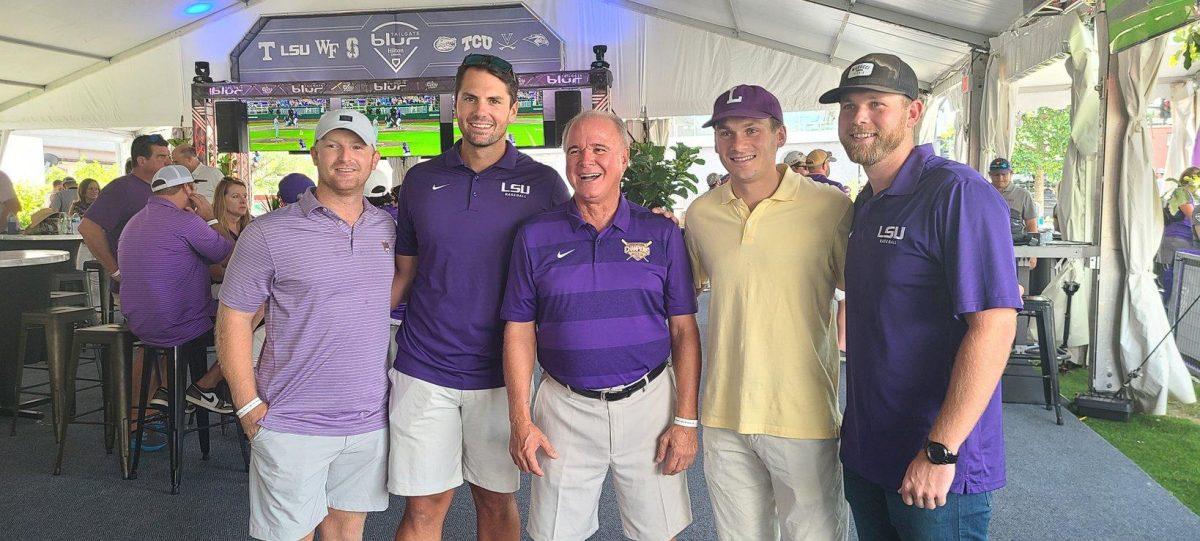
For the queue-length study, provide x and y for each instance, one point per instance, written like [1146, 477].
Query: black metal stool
[115, 344]
[179, 359]
[57, 325]
[107, 314]
[1041, 309]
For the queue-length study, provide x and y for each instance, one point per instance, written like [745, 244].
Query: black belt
[613, 396]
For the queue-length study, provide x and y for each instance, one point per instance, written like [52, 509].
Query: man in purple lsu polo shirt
[932, 296]
[315, 407]
[458, 214]
[600, 292]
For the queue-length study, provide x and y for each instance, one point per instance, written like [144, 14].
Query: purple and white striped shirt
[323, 370]
[164, 256]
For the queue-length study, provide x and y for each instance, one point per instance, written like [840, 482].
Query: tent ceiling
[45, 41]
[53, 44]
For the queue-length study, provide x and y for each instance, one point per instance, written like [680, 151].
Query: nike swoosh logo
[440, 187]
[564, 254]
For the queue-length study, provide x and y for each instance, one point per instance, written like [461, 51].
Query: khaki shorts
[441, 437]
[592, 438]
[760, 485]
[294, 479]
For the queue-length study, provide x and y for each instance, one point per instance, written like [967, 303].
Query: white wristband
[116, 274]
[687, 423]
[214, 221]
[249, 407]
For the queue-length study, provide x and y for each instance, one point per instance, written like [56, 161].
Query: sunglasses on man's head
[482, 60]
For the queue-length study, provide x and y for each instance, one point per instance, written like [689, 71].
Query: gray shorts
[294, 479]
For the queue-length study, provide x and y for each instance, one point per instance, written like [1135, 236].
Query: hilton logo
[514, 190]
[889, 234]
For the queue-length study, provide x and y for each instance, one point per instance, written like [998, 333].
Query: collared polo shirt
[323, 370]
[460, 225]
[117, 203]
[925, 252]
[164, 257]
[772, 359]
[600, 299]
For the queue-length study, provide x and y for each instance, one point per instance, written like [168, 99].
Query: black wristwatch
[939, 454]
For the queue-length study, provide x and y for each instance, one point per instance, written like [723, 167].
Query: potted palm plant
[652, 180]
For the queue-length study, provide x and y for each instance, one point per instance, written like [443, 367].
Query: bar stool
[115, 343]
[177, 365]
[1041, 309]
[106, 295]
[69, 281]
[69, 298]
[58, 324]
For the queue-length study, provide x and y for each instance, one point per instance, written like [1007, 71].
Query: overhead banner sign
[433, 85]
[1131, 22]
[392, 45]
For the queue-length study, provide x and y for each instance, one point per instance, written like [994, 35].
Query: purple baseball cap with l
[292, 186]
[745, 101]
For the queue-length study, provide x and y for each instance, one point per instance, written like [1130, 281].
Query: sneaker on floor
[160, 400]
[209, 400]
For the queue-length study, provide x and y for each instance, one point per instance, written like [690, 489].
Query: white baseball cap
[794, 157]
[171, 175]
[378, 184]
[346, 119]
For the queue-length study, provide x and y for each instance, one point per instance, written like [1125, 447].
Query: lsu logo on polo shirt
[512, 189]
[890, 234]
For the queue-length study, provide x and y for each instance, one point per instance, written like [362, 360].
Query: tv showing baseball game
[284, 124]
[407, 125]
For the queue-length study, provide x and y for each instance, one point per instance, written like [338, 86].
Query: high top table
[24, 285]
[67, 243]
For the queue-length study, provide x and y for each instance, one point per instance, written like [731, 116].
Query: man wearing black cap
[1022, 212]
[770, 397]
[933, 295]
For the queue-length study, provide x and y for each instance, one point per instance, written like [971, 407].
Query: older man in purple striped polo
[600, 290]
[315, 407]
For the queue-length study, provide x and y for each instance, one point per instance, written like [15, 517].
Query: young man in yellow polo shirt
[772, 243]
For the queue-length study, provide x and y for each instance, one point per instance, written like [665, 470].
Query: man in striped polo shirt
[315, 407]
[600, 289]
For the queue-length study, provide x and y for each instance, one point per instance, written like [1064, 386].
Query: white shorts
[441, 437]
[593, 437]
[294, 479]
[762, 484]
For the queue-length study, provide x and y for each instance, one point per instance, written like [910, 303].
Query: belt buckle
[604, 396]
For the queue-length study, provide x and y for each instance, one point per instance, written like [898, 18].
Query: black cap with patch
[879, 72]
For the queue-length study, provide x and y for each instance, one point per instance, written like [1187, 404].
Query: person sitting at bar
[89, 191]
[165, 250]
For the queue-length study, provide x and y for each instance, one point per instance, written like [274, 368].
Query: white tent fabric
[1074, 213]
[654, 130]
[3, 142]
[997, 115]
[1183, 122]
[1143, 321]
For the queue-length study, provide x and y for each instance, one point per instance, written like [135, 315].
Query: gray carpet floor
[1065, 482]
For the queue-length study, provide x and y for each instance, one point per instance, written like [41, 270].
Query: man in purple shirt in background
[600, 292]
[932, 292]
[458, 214]
[166, 249]
[816, 163]
[120, 200]
[292, 186]
[315, 407]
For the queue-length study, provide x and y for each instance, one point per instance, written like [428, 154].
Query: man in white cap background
[796, 161]
[315, 407]
[166, 249]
